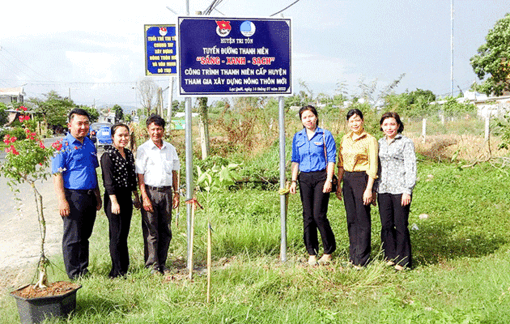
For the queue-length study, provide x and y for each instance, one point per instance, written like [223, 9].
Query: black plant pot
[35, 310]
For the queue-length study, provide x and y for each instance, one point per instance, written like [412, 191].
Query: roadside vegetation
[459, 221]
[459, 217]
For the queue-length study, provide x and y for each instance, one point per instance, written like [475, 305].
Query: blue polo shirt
[77, 162]
[310, 153]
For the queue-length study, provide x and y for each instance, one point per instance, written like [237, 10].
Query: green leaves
[217, 178]
[493, 59]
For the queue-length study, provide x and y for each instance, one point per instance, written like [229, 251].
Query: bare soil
[54, 289]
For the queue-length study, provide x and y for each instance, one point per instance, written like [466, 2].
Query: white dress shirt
[157, 164]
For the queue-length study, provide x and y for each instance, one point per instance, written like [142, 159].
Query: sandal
[325, 259]
[312, 260]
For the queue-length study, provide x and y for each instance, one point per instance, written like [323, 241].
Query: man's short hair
[156, 119]
[78, 111]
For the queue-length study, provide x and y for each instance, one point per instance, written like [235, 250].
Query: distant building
[107, 116]
[12, 95]
[486, 106]
[182, 115]
[493, 106]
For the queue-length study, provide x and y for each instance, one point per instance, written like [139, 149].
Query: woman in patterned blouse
[357, 168]
[119, 179]
[397, 177]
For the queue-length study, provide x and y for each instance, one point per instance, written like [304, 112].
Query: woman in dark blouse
[119, 178]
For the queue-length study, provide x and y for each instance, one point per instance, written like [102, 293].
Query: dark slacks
[315, 209]
[395, 237]
[119, 230]
[358, 217]
[156, 227]
[77, 231]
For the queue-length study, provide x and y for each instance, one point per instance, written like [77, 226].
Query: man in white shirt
[156, 165]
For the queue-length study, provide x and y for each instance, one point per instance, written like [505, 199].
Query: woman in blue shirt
[313, 165]
[395, 183]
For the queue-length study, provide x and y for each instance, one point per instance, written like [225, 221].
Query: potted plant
[27, 161]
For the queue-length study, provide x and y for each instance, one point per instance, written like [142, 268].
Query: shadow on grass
[434, 244]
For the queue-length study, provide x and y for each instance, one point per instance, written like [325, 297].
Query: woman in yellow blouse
[357, 168]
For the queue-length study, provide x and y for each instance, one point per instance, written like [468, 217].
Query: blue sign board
[160, 50]
[234, 56]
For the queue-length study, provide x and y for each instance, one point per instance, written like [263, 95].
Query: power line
[285, 8]
[12, 68]
[3, 49]
[211, 7]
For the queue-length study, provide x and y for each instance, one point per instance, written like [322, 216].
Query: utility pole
[451, 73]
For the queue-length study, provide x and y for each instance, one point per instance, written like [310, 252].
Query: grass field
[461, 252]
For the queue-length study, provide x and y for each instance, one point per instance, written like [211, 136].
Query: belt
[355, 173]
[159, 189]
[89, 192]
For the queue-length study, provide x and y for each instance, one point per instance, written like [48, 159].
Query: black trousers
[156, 227]
[395, 237]
[358, 217]
[315, 209]
[119, 230]
[77, 231]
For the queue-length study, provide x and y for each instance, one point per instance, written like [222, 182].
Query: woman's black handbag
[334, 183]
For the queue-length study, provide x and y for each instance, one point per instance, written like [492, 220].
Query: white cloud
[95, 66]
[318, 68]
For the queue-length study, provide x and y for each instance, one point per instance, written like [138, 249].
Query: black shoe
[164, 270]
[154, 271]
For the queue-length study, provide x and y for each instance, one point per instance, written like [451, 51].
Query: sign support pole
[189, 174]
[283, 207]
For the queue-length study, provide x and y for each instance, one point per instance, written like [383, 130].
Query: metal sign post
[189, 173]
[283, 203]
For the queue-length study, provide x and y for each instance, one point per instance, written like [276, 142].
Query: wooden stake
[209, 263]
[179, 192]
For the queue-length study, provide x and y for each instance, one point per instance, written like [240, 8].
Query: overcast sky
[94, 50]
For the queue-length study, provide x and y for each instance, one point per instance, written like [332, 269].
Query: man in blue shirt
[75, 180]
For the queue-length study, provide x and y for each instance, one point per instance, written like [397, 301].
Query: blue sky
[95, 51]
